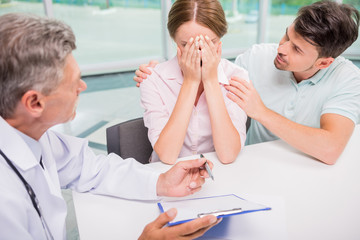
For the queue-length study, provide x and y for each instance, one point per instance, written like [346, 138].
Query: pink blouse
[159, 93]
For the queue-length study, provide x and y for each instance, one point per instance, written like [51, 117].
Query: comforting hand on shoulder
[244, 94]
[143, 72]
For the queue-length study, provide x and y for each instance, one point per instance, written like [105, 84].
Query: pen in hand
[207, 167]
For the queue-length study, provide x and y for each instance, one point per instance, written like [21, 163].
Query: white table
[310, 200]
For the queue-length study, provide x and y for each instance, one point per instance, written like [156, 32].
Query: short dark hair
[332, 27]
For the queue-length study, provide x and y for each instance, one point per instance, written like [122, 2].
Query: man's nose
[83, 85]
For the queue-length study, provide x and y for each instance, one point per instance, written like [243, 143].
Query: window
[112, 32]
[242, 18]
[31, 6]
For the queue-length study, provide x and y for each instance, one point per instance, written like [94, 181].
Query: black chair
[248, 122]
[129, 139]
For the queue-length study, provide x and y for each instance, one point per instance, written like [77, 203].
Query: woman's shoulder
[161, 70]
[163, 74]
[167, 66]
[231, 69]
[169, 70]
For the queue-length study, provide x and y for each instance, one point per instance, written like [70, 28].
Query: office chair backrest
[129, 139]
[248, 122]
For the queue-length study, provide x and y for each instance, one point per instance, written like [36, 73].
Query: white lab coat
[69, 163]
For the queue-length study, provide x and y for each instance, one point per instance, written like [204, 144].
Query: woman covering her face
[186, 108]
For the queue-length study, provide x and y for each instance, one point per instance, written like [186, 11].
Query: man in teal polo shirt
[301, 90]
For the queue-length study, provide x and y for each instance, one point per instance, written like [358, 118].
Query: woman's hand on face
[189, 61]
[211, 56]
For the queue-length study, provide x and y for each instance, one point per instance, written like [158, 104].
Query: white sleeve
[156, 114]
[80, 169]
[243, 59]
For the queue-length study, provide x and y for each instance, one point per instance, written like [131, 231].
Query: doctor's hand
[184, 178]
[189, 230]
[143, 71]
[245, 95]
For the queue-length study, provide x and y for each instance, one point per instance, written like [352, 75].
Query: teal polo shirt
[335, 89]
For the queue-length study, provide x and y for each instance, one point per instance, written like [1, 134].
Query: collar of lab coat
[23, 158]
[171, 70]
[33, 145]
[15, 148]
[20, 154]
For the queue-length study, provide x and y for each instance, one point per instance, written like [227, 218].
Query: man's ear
[33, 102]
[323, 62]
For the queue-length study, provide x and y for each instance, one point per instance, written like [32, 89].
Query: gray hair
[32, 56]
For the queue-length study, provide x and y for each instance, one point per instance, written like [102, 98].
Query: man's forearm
[325, 143]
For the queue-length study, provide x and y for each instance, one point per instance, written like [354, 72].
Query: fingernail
[193, 185]
[206, 37]
[171, 212]
[191, 40]
[213, 220]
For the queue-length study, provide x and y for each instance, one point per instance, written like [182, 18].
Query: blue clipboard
[220, 206]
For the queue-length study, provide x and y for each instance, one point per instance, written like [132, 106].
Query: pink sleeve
[156, 113]
[237, 115]
[238, 118]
